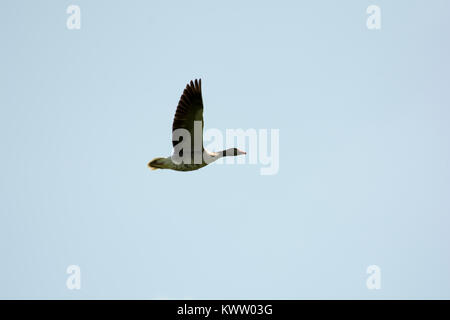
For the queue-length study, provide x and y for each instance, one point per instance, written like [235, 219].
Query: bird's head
[238, 152]
[233, 152]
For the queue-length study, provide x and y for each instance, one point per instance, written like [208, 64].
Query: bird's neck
[226, 153]
[214, 156]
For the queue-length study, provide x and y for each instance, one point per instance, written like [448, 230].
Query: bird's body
[168, 163]
[188, 120]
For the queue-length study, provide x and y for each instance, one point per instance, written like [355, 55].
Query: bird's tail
[157, 163]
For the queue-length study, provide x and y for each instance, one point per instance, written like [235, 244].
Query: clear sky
[364, 176]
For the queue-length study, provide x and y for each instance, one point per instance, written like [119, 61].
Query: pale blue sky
[364, 150]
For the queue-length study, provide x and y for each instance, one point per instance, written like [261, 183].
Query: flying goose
[189, 116]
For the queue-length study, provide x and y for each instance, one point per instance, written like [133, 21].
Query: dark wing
[190, 109]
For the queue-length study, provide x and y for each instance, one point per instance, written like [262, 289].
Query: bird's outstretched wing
[189, 110]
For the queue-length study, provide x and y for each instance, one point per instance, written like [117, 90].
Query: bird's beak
[243, 152]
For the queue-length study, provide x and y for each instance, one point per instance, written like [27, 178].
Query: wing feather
[190, 109]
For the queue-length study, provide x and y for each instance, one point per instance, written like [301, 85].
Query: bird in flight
[187, 135]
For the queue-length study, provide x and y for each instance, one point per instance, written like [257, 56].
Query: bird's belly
[187, 167]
